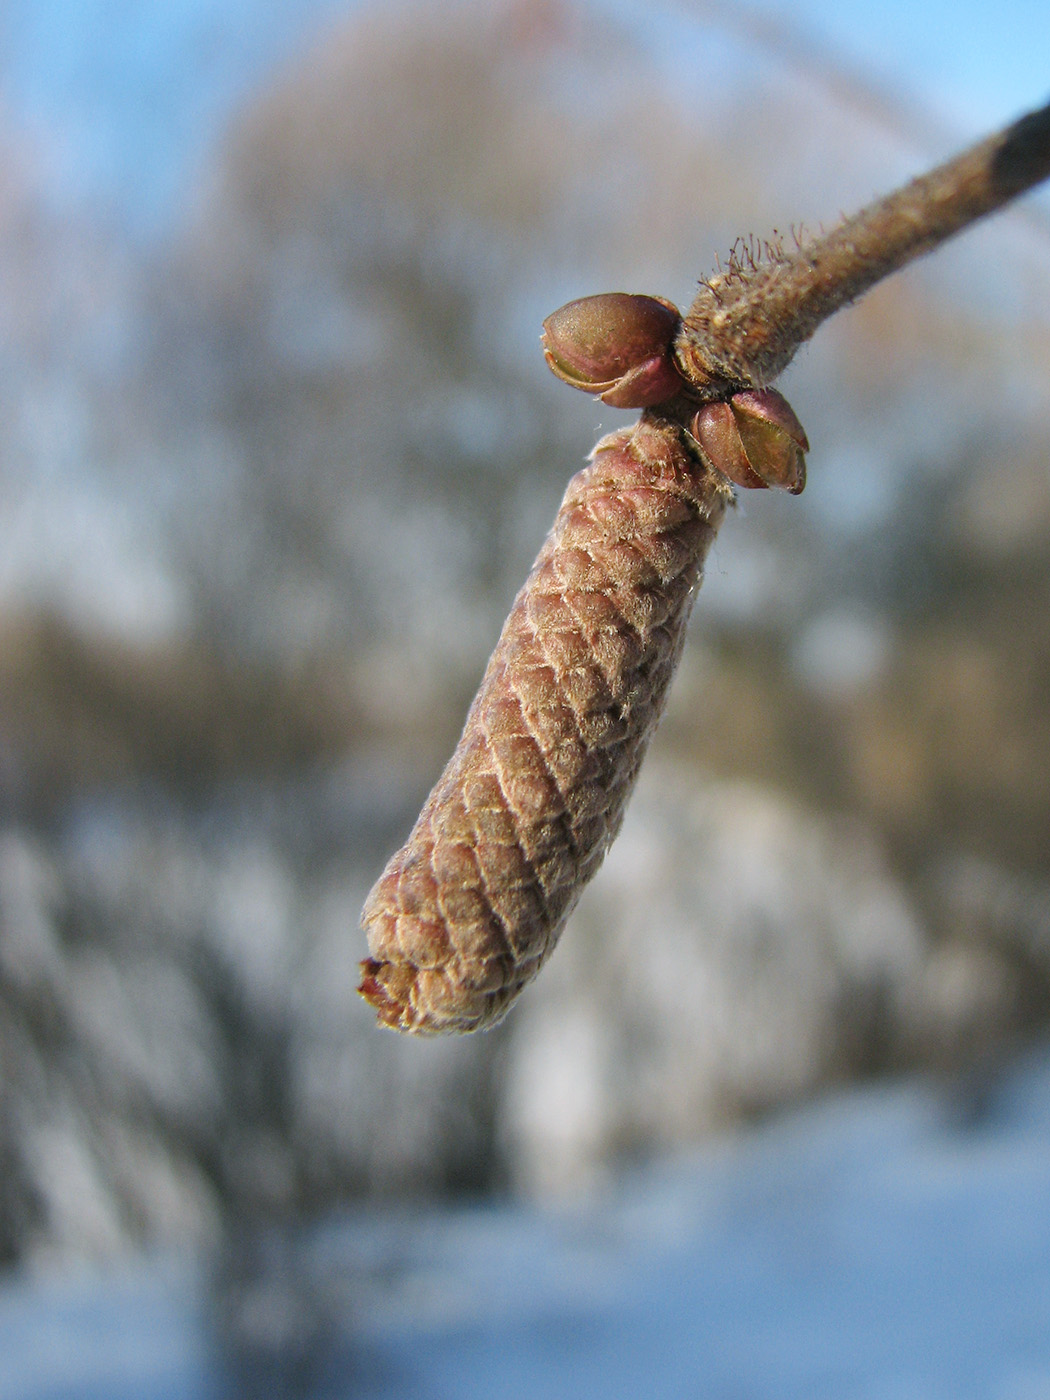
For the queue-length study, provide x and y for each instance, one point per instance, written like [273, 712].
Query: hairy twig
[468, 910]
[746, 324]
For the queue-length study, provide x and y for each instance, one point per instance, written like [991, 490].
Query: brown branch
[746, 324]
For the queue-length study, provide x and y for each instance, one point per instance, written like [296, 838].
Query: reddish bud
[617, 346]
[754, 439]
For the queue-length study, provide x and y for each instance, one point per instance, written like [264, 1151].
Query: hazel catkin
[465, 914]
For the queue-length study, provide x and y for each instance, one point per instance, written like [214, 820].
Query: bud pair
[621, 347]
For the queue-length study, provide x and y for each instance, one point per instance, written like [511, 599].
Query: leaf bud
[754, 439]
[617, 346]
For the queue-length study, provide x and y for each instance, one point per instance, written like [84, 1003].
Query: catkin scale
[465, 914]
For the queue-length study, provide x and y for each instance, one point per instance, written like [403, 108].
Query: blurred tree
[319, 423]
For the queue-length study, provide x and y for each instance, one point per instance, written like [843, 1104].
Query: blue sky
[126, 94]
[974, 64]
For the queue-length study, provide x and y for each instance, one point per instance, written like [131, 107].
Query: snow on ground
[892, 1243]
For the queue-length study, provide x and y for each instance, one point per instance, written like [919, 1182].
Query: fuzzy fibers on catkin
[466, 913]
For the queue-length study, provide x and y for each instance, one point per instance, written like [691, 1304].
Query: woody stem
[744, 326]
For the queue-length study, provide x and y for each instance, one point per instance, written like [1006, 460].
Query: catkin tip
[430, 1002]
[392, 1009]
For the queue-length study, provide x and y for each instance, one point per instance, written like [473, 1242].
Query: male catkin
[465, 914]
